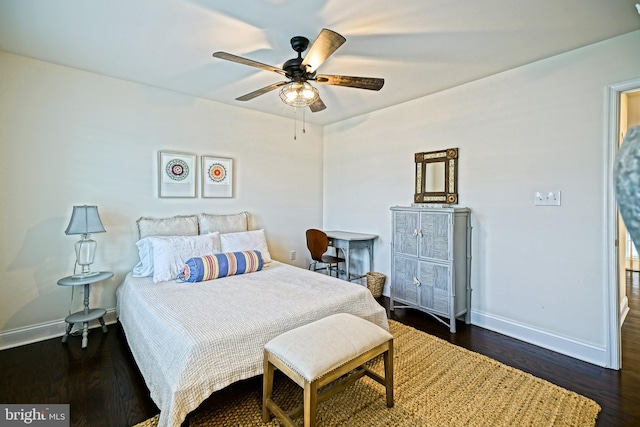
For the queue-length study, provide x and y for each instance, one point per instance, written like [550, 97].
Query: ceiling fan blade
[327, 42]
[371, 83]
[259, 92]
[250, 62]
[317, 105]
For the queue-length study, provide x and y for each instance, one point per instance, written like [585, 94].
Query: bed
[191, 339]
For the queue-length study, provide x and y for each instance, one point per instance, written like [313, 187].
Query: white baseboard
[586, 352]
[579, 350]
[44, 331]
[567, 346]
[624, 310]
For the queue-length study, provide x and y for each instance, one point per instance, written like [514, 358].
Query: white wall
[538, 272]
[70, 137]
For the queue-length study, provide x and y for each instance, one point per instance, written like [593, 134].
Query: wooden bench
[321, 352]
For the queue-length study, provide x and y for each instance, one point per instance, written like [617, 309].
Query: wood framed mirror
[437, 177]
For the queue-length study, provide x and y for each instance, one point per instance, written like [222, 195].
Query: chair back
[317, 243]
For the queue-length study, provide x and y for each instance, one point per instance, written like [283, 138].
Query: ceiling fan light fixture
[298, 94]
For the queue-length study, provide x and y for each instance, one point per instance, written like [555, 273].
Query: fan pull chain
[295, 123]
[304, 110]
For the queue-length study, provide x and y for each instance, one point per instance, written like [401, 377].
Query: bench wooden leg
[310, 403]
[388, 374]
[267, 388]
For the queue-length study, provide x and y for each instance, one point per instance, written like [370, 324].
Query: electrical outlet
[547, 198]
[292, 255]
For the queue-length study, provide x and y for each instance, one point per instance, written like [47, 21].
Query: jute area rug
[436, 384]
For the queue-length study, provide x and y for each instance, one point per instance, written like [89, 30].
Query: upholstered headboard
[192, 225]
[208, 223]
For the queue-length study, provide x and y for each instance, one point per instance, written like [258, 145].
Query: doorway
[629, 268]
[628, 262]
[623, 112]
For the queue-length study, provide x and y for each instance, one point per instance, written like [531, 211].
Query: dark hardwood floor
[104, 388]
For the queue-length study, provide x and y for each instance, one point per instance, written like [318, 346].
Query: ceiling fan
[297, 91]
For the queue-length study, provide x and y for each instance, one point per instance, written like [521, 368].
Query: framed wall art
[176, 174]
[217, 177]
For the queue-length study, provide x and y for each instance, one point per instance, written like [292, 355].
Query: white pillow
[246, 241]
[167, 254]
[144, 268]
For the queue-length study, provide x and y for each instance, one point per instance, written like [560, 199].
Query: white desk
[346, 241]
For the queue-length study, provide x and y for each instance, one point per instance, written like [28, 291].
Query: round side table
[87, 314]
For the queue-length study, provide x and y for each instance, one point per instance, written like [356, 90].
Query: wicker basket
[375, 283]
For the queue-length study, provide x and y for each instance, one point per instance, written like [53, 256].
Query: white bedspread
[191, 339]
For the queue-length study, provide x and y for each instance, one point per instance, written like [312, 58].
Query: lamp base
[85, 275]
[85, 254]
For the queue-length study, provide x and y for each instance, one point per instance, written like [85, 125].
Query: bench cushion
[319, 347]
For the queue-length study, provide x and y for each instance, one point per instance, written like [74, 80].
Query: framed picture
[176, 174]
[217, 177]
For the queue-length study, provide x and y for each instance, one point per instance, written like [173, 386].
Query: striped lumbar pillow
[211, 267]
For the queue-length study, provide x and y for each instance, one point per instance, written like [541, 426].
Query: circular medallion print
[217, 172]
[177, 169]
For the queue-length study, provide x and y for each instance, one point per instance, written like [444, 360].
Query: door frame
[612, 308]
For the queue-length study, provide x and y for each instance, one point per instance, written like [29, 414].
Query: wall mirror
[437, 177]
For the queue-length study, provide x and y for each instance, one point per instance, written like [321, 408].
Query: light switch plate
[547, 198]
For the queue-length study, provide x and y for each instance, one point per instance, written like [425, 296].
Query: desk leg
[370, 249]
[346, 261]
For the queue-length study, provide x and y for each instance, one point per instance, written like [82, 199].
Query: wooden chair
[318, 243]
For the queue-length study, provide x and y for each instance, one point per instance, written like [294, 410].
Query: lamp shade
[298, 94]
[85, 220]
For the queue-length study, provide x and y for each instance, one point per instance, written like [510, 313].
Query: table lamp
[85, 220]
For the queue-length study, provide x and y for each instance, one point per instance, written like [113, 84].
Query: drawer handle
[416, 281]
[417, 233]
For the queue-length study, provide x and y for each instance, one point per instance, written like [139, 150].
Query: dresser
[431, 262]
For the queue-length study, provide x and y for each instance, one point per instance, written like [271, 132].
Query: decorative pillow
[223, 223]
[211, 267]
[175, 226]
[164, 256]
[246, 241]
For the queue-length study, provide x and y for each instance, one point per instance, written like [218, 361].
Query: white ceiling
[418, 46]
